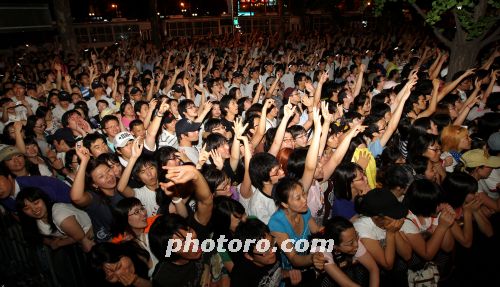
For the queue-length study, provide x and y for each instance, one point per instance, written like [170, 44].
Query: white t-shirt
[191, 152]
[489, 185]
[366, 228]
[148, 199]
[168, 139]
[413, 225]
[61, 211]
[261, 206]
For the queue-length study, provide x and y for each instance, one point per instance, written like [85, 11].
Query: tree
[475, 25]
[62, 13]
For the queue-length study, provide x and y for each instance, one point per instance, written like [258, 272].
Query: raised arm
[261, 129]
[235, 148]
[21, 146]
[186, 173]
[280, 133]
[246, 184]
[312, 153]
[122, 186]
[78, 194]
[359, 80]
[153, 128]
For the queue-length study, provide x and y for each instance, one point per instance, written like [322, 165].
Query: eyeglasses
[139, 210]
[434, 148]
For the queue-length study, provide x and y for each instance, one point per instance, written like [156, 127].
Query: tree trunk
[282, 21]
[463, 55]
[62, 13]
[155, 25]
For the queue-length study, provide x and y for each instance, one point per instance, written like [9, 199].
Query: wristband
[176, 200]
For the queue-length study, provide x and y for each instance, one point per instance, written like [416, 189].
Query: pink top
[315, 201]
[126, 122]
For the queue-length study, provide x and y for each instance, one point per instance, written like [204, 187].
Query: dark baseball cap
[380, 202]
[237, 74]
[96, 85]
[134, 90]
[183, 126]
[64, 96]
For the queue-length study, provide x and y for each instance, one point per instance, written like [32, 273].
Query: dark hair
[161, 231]
[296, 163]
[334, 228]
[224, 207]
[417, 145]
[120, 216]
[296, 130]
[107, 252]
[398, 175]
[283, 188]
[260, 167]
[224, 103]
[123, 106]
[379, 110]
[214, 141]
[343, 177]
[134, 123]
[30, 125]
[423, 197]
[359, 102]
[29, 224]
[65, 117]
[213, 176]
[142, 161]
[419, 164]
[212, 123]
[252, 230]
[182, 107]
[456, 186]
[89, 139]
[107, 119]
[138, 105]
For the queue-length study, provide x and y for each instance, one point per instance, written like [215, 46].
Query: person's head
[342, 232]
[115, 260]
[397, 178]
[7, 184]
[215, 112]
[424, 125]
[227, 215]
[424, 167]
[423, 197]
[380, 205]
[219, 143]
[187, 109]
[35, 126]
[290, 195]
[146, 170]
[101, 105]
[416, 102]
[100, 176]
[458, 187]
[299, 79]
[96, 144]
[426, 145]
[218, 182]
[479, 164]
[13, 160]
[282, 157]
[265, 169]
[174, 227]
[228, 105]
[137, 128]
[127, 110]
[129, 217]
[187, 131]
[110, 126]
[141, 109]
[362, 104]
[299, 135]
[349, 180]
[255, 231]
[34, 203]
[112, 160]
[167, 156]
[455, 138]
[123, 143]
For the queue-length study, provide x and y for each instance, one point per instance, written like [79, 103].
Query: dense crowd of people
[356, 139]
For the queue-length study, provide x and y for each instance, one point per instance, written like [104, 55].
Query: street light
[115, 6]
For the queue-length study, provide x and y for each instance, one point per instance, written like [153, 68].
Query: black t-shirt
[99, 211]
[228, 125]
[245, 273]
[168, 274]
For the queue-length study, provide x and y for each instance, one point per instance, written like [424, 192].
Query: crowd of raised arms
[361, 139]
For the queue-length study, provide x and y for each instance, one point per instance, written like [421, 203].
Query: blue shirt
[376, 148]
[279, 223]
[54, 188]
[343, 207]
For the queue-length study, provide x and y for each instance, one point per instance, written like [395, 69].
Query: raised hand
[289, 110]
[137, 147]
[307, 101]
[325, 112]
[82, 152]
[217, 159]
[164, 107]
[238, 127]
